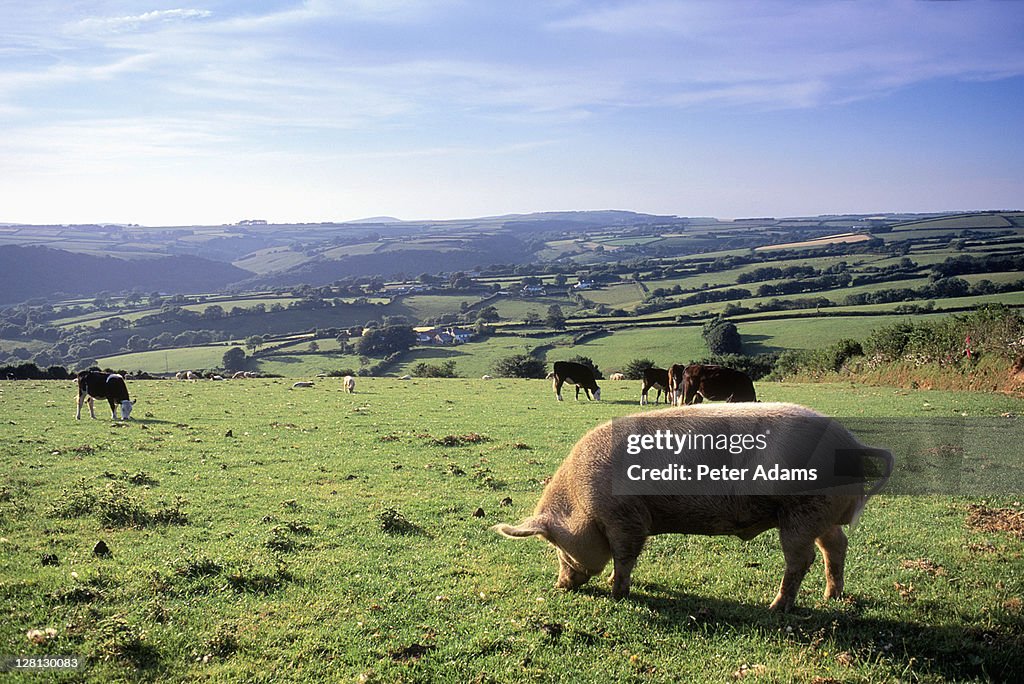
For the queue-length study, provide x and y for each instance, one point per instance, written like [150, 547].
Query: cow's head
[597, 394]
[126, 408]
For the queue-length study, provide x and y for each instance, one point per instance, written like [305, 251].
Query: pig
[589, 524]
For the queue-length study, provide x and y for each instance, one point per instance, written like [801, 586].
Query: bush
[756, 367]
[385, 341]
[445, 369]
[889, 342]
[722, 337]
[520, 366]
[234, 359]
[634, 369]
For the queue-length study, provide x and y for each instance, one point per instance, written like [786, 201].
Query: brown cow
[696, 382]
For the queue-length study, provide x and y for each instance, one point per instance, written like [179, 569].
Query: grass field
[246, 528]
[170, 360]
[472, 359]
[422, 307]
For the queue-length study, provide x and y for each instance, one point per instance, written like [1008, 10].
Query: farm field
[307, 366]
[624, 295]
[170, 360]
[245, 523]
[473, 359]
[517, 309]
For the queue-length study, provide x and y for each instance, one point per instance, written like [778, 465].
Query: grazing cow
[303, 383]
[617, 376]
[349, 383]
[575, 374]
[589, 524]
[696, 382]
[109, 386]
[486, 377]
[655, 378]
[405, 377]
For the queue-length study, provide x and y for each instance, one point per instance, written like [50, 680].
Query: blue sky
[180, 112]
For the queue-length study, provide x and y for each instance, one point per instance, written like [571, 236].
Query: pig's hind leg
[798, 550]
[833, 546]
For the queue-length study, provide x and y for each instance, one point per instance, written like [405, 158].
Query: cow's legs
[557, 384]
[81, 400]
[577, 392]
[113, 409]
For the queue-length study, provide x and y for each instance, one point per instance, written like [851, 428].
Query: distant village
[444, 335]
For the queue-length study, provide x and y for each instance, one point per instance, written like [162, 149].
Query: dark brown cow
[656, 378]
[696, 382]
[575, 374]
[676, 380]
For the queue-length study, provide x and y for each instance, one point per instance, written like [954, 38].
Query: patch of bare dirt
[924, 565]
[985, 519]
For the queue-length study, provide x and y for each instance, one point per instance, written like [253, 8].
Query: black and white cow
[109, 386]
[655, 378]
[575, 374]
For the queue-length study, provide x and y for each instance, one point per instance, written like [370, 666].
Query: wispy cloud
[831, 51]
[135, 22]
[117, 85]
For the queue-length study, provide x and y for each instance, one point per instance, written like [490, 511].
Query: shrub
[634, 369]
[520, 366]
[756, 367]
[722, 337]
[445, 369]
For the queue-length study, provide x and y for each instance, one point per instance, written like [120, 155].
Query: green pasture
[956, 223]
[1000, 277]
[621, 295]
[262, 534]
[473, 359]
[170, 360]
[10, 344]
[1010, 298]
[422, 307]
[269, 260]
[516, 308]
[306, 365]
[664, 346]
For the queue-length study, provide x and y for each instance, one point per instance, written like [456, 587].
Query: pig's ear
[531, 527]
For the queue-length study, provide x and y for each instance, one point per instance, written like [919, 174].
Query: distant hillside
[27, 272]
[472, 253]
